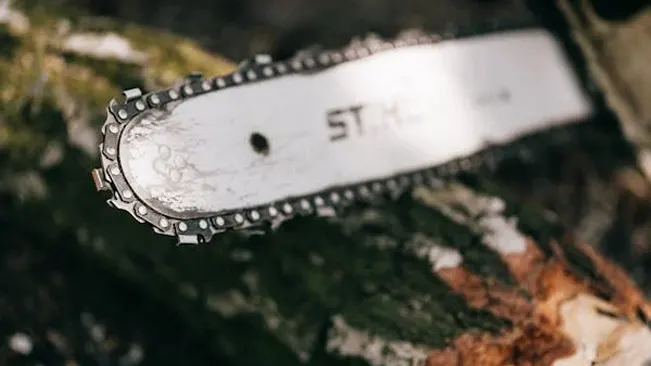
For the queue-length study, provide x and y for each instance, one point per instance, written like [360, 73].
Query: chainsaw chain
[110, 176]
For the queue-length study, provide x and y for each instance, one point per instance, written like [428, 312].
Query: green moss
[542, 226]
[119, 73]
[477, 257]
[370, 285]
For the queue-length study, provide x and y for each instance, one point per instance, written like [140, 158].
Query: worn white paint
[453, 98]
[105, 45]
[347, 341]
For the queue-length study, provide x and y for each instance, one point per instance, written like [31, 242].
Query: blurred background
[72, 271]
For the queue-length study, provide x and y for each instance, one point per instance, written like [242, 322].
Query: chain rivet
[296, 65]
[239, 218]
[318, 201]
[220, 221]
[272, 211]
[183, 226]
[127, 194]
[173, 94]
[267, 71]
[140, 105]
[142, 210]
[349, 194]
[281, 68]
[123, 114]
[287, 208]
[115, 170]
[324, 58]
[164, 223]
[237, 78]
[305, 205]
[255, 215]
[154, 99]
[187, 89]
[251, 75]
[334, 197]
[220, 83]
[205, 85]
[113, 128]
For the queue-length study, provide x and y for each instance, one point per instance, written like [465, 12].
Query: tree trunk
[617, 53]
[457, 274]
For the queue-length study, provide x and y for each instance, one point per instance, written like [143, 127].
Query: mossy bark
[459, 274]
[617, 52]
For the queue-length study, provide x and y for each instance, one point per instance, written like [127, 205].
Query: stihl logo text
[365, 119]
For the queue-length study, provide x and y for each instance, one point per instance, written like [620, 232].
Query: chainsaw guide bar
[319, 131]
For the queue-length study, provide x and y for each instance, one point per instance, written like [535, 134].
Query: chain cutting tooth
[195, 84]
[192, 231]
[98, 178]
[257, 60]
[262, 59]
[132, 94]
